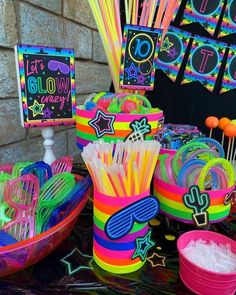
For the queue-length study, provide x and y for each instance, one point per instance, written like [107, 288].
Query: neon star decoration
[141, 79]
[143, 244]
[75, 255]
[132, 71]
[102, 123]
[157, 260]
[47, 113]
[37, 108]
[172, 53]
[166, 45]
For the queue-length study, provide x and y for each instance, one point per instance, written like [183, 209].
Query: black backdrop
[192, 103]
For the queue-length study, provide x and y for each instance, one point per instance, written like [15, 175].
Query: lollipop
[223, 122]
[233, 158]
[230, 132]
[211, 122]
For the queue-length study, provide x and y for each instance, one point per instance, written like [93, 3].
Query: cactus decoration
[139, 130]
[198, 202]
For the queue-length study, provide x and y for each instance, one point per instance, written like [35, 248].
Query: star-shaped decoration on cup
[102, 123]
[37, 108]
[132, 71]
[76, 261]
[172, 53]
[157, 260]
[141, 79]
[143, 244]
[166, 45]
[47, 113]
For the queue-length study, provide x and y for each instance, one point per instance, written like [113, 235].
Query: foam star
[156, 260]
[102, 123]
[166, 45]
[143, 244]
[132, 71]
[47, 113]
[70, 259]
[141, 79]
[37, 108]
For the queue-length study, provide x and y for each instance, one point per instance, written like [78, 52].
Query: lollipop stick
[210, 134]
[231, 153]
[223, 138]
[229, 145]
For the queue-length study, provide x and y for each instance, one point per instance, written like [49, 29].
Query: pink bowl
[198, 279]
[21, 255]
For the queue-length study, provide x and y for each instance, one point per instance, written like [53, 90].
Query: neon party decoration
[143, 244]
[229, 77]
[199, 203]
[205, 12]
[102, 123]
[120, 224]
[172, 52]
[204, 62]
[139, 54]
[46, 84]
[228, 24]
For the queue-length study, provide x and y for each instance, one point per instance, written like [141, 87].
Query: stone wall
[59, 23]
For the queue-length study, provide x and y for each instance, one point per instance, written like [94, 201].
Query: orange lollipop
[223, 122]
[230, 132]
[211, 122]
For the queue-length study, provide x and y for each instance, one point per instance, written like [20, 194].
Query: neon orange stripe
[106, 209]
[118, 133]
[178, 198]
[116, 261]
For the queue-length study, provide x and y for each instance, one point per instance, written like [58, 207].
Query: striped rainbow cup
[115, 256]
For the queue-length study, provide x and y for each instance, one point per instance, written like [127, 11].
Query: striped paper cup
[94, 125]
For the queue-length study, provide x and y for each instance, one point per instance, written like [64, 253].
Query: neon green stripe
[93, 137]
[136, 227]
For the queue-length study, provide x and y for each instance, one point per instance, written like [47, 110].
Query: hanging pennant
[205, 12]
[139, 53]
[172, 51]
[229, 77]
[228, 24]
[204, 62]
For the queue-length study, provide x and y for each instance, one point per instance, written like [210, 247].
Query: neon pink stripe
[113, 254]
[126, 239]
[120, 117]
[119, 201]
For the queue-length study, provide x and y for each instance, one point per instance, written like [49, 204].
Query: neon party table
[71, 270]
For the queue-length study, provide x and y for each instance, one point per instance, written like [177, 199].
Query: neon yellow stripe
[117, 125]
[118, 269]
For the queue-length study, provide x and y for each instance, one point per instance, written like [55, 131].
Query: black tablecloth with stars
[70, 269]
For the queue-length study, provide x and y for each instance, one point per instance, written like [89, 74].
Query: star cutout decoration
[166, 45]
[172, 53]
[47, 113]
[132, 71]
[156, 260]
[37, 108]
[76, 261]
[141, 79]
[102, 123]
[143, 244]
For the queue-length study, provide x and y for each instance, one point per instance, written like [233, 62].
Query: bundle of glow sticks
[148, 13]
[121, 169]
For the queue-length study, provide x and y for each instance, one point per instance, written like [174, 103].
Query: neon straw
[117, 16]
[151, 12]
[160, 13]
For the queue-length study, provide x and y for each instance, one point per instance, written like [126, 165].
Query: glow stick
[168, 16]
[136, 182]
[126, 12]
[160, 13]
[141, 21]
[130, 9]
[136, 12]
[118, 24]
[151, 12]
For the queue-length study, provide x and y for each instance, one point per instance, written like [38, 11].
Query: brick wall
[61, 23]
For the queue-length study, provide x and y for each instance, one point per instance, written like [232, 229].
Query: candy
[230, 130]
[223, 122]
[211, 122]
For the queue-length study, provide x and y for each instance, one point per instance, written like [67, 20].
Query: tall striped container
[171, 202]
[93, 125]
[115, 256]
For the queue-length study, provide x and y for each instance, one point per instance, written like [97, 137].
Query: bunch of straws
[148, 13]
[124, 169]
